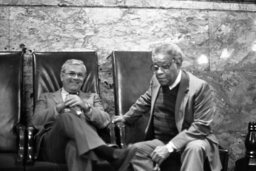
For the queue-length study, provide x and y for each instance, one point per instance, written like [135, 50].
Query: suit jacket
[45, 113]
[194, 112]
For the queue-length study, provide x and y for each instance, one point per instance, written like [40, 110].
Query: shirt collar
[176, 82]
[64, 92]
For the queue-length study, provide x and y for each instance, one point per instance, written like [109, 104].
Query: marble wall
[219, 41]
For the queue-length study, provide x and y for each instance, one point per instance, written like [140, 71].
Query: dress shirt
[64, 94]
[176, 82]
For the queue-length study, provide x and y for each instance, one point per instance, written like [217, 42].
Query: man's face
[165, 69]
[73, 78]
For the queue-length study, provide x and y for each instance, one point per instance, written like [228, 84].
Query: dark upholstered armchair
[132, 74]
[12, 120]
[47, 66]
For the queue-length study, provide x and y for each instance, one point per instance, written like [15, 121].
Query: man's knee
[197, 146]
[65, 117]
[139, 145]
[71, 146]
[147, 147]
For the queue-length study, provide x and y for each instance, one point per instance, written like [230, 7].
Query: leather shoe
[123, 158]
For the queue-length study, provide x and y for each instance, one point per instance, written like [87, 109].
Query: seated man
[68, 118]
[181, 109]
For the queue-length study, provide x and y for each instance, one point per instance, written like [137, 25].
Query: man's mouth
[161, 79]
[75, 82]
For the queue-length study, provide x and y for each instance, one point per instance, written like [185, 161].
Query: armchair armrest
[20, 129]
[112, 134]
[108, 135]
[121, 132]
[224, 158]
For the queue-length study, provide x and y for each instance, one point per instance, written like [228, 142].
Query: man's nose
[159, 71]
[76, 76]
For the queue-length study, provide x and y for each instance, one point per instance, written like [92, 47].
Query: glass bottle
[250, 144]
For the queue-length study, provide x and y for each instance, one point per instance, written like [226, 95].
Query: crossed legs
[74, 161]
[69, 127]
[73, 140]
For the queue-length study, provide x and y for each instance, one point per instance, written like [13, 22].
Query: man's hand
[160, 154]
[118, 119]
[74, 100]
[60, 107]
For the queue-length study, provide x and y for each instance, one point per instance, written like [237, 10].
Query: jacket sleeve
[97, 115]
[140, 107]
[44, 112]
[203, 110]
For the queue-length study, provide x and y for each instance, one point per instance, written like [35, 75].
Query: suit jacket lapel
[155, 90]
[180, 101]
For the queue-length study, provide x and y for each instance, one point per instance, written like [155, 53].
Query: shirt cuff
[171, 147]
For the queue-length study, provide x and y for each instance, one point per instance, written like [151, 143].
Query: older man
[67, 120]
[181, 111]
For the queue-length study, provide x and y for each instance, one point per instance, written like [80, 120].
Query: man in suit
[67, 120]
[181, 109]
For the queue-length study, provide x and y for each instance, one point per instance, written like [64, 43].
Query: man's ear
[178, 61]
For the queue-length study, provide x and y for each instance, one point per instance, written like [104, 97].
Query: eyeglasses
[165, 67]
[74, 74]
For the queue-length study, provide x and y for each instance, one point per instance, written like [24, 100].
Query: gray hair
[172, 51]
[72, 62]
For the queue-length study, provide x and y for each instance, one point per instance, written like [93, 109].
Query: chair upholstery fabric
[11, 112]
[132, 74]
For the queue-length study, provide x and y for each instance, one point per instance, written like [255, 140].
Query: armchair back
[131, 74]
[10, 99]
[47, 66]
